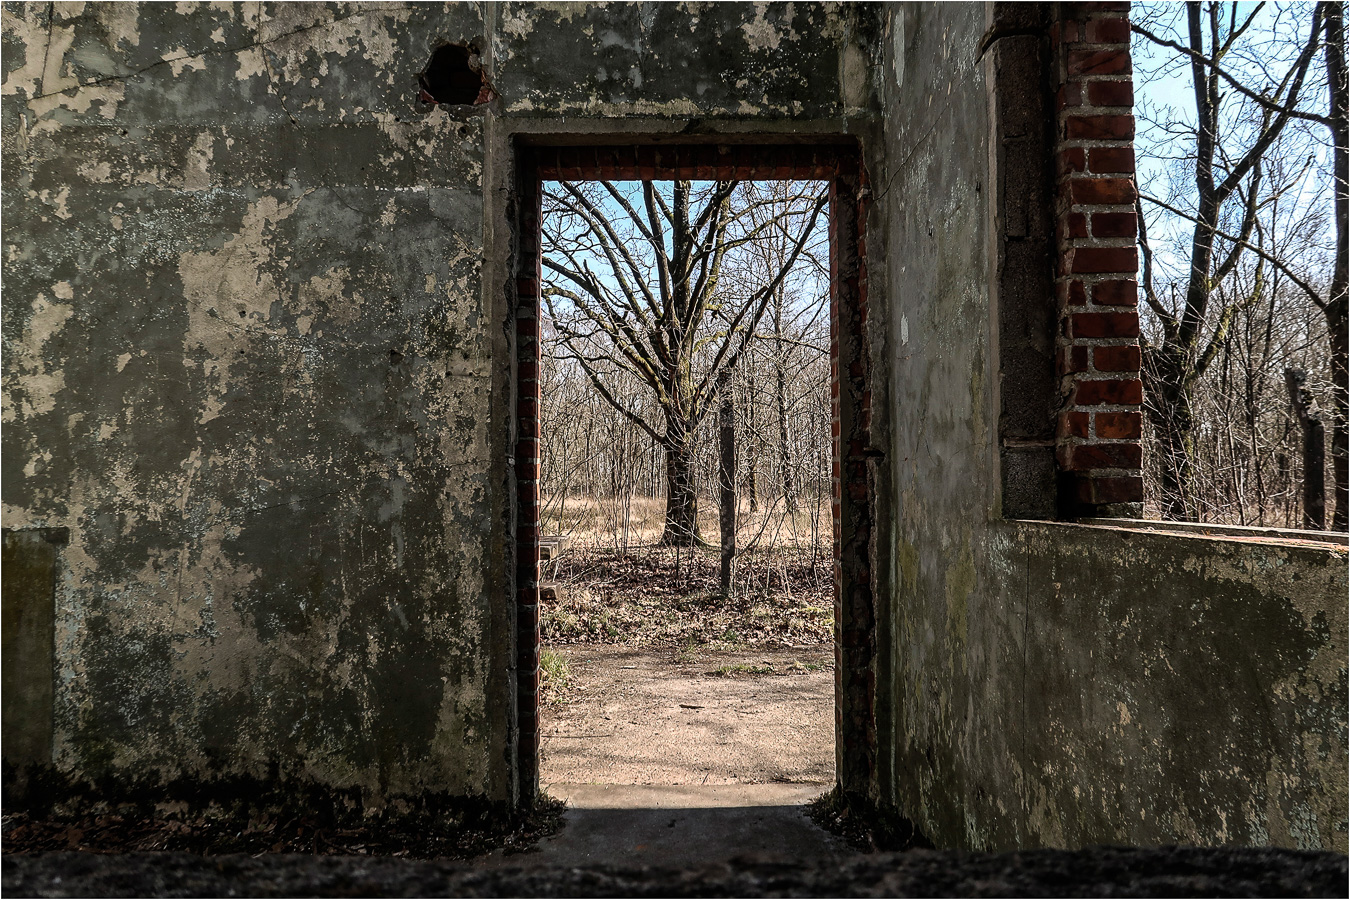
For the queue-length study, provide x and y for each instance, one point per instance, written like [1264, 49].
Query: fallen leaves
[657, 596]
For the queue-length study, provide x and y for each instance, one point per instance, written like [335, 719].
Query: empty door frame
[853, 481]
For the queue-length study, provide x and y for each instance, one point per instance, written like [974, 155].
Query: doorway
[851, 473]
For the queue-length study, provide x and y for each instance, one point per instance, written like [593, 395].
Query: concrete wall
[1061, 684]
[257, 341]
[249, 363]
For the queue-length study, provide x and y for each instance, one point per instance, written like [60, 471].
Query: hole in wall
[455, 75]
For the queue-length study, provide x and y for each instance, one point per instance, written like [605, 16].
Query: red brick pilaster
[1098, 436]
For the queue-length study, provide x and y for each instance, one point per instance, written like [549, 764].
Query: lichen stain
[330, 299]
[978, 425]
[294, 33]
[120, 21]
[230, 298]
[518, 18]
[250, 64]
[960, 583]
[196, 171]
[761, 34]
[180, 60]
[907, 556]
[58, 202]
[1044, 819]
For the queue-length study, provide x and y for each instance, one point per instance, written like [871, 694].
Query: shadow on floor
[683, 826]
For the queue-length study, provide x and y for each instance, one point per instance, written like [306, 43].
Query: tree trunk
[681, 497]
[1173, 424]
[1174, 441]
[726, 471]
[1171, 410]
[750, 449]
[784, 446]
[780, 403]
[1339, 299]
[1314, 451]
[752, 486]
[1340, 435]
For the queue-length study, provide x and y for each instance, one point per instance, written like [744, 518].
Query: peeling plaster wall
[1177, 688]
[685, 61]
[257, 354]
[1059, 684]
[249, 363]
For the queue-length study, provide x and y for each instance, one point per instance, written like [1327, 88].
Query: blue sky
[1163, 92]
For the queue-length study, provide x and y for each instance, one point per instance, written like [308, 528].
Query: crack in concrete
[47, 48]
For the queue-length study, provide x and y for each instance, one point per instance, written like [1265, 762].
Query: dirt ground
[693, 716]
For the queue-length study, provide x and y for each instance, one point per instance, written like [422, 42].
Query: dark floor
[682, 827]
[1098, 872]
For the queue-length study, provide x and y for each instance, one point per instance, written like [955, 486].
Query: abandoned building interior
[271, 449]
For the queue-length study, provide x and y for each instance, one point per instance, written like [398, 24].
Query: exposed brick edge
[1023, 141]
[527, 463]
[709, 162]
[1098, 436]
[853, 488]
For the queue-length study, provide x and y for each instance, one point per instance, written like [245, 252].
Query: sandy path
[642, 717]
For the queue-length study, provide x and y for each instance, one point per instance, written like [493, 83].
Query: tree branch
[1233, 82]
[1264, 254]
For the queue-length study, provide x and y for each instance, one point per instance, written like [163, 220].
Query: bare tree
[726, 480]
[635, 284]
[1242, 110]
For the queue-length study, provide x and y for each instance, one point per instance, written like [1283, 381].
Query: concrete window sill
[1232, 532]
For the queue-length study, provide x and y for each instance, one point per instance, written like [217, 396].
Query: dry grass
[555, 676]
[639, 522]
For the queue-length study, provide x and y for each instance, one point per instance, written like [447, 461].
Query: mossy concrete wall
[1053, 684]
[258, 354]
[26, 653]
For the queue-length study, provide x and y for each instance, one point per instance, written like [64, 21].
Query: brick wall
[853, 489]
[1098, 436]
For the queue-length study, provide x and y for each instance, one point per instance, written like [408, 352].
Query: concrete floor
[683, 826]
